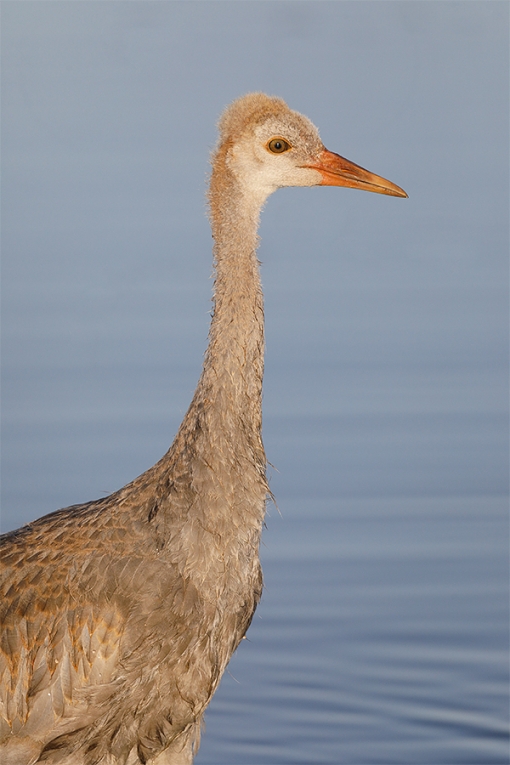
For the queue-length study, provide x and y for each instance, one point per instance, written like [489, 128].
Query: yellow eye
[278, 145]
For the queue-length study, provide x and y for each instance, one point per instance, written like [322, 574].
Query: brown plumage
[119, 616]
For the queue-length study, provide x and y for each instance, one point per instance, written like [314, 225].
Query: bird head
[268, 146]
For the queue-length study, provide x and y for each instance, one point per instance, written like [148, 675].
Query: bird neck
[218, 454]
[234, 362]
[225, 416]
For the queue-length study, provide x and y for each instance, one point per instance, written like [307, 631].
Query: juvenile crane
[120, 615]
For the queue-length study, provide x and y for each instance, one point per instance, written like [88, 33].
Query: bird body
[119, 616]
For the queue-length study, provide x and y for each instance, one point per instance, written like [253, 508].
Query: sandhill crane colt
[120, 615]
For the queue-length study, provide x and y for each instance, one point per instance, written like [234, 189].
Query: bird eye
[278, 145]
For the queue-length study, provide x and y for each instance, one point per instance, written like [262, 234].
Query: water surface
[382, 637]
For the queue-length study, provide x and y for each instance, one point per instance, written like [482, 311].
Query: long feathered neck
[234, 360]
[217, 462]
[227, 406]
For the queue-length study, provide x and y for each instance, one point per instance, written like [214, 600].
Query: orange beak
[338, 171]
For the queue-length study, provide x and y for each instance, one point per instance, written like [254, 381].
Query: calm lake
[382, 636]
